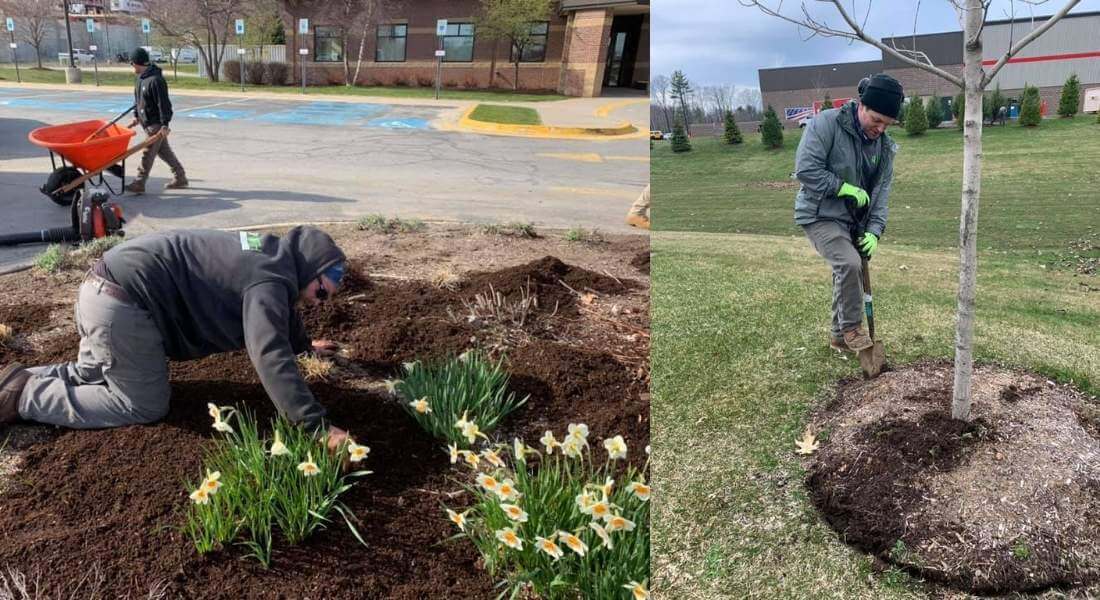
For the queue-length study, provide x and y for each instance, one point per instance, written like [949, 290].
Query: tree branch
[1027, 39]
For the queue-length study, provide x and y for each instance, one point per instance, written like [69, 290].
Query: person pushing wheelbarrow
[153, 111]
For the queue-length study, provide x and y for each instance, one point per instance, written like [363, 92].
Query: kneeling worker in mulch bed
[184, 295]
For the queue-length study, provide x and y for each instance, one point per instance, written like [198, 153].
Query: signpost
[90, 23]
[303, 52]
[240, 49]
[440, 31]
[145, 27]
[10, 24]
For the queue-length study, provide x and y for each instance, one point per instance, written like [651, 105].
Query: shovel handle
[868, 304]
[113, 121]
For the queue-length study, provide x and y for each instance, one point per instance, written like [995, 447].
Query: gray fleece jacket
[218, 291]
[831, 154]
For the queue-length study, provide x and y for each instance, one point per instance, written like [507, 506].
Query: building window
[326, 45]
[535, 49]
[459, 42]
[391, 43]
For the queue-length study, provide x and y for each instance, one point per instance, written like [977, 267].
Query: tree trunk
[515, 77]
[968, 224]
[362, 46]
[493, 63]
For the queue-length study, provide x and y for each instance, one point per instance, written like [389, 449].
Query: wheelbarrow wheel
[61, 177]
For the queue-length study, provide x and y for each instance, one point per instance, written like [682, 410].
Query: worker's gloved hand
[856, 193]
[868, 244]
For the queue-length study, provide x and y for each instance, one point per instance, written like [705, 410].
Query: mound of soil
[641, 262]
[1009, 501]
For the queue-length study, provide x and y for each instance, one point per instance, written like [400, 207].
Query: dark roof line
[829, 65]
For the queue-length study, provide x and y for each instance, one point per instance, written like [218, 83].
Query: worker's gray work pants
[119, 378]
[833, 242]
[164, 151]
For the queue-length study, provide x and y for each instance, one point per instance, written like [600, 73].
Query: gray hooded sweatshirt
[830, 154]
[218, 291]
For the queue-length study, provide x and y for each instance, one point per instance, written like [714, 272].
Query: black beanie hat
[139, 57]
[882, 94]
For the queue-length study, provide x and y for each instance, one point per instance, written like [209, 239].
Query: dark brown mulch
[113, 500]
[641, 262]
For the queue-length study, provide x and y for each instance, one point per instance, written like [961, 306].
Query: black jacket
[151, 98]
[219, 291]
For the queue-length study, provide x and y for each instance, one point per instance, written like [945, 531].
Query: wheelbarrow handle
[113, 121]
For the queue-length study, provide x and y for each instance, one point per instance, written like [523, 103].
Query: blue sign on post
[240, 26]
[303, 26]
[11, 24]
[145, 26]
[91, 25]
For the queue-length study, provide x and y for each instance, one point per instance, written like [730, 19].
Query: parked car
[79, 55]
[185, 55]
[656, 135]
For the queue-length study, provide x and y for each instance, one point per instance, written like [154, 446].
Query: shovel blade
[872, 359]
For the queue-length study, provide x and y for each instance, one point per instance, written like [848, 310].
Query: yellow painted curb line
[465, 123]
[608, 108]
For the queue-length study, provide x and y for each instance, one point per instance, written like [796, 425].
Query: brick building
[584, 48]
[1071, 46]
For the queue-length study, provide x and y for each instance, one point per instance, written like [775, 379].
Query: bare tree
[750, 98]
[511, 21]
[660, 87]
[351, 18]
[973, 81]
[204, 24]
[32, 19]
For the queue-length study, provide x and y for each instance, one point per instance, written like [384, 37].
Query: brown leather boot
[837, 343]
[176, 184]
[136, 186]
[856, 339]
[12, 379]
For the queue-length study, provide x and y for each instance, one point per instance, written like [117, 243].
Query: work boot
[856, 339]
[12, 379]
[136, 186]
[637, 221]
[837, 343]
[176, 184]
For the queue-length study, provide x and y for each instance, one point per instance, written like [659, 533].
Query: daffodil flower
[211, 483]
[471, 459]
[600, 510]
[619, 523]
[637, 590]
[616, 447]
[572, 447]
[578, 431]
[464, 356]
[508, 537]
[519, 449]
[472, 432]
[602, 533]
[421, 406]
[573, 542]
[278, 448]
[409, 366]
[548, 546]
[222, 426]
[391, 386]
[607, 487]
[488, 482]
[507, 491]
[492, 457]
[200, 496]
[549, 442]
[457, 519]
[462, 422]
[309, 468]
[215, 412]
[453, 451]
[356, 452]
[515, 513]
[640, 490]
[647, 450]
[585, 502]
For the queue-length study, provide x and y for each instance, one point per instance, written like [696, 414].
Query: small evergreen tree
[771, 131]
[1071, 96]
[916, 122]
[680, 142]
[733, 133]
[958, 106]
[933, 112]
[826, 102]
[1030, 115]
[996, 101]
[901, 113]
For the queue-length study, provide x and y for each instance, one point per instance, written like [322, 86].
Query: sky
[722, 42]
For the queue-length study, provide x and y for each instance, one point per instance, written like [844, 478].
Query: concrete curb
[624, 130]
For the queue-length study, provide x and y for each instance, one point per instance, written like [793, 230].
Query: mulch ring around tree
[98, 513]
[1009, 501]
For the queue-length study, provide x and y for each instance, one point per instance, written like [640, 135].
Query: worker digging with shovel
[845, 163]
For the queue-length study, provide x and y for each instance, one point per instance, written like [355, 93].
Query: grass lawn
[740, 322]
[56, 75]
[512, 115]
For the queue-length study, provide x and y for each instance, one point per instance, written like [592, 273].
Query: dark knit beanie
[139, 57]
[883, 95]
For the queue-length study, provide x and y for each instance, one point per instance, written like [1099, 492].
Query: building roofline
[824, 65]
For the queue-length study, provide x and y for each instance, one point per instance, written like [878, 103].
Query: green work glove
[858, 194]
[868, 244]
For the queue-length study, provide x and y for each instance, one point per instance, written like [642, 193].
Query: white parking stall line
[213, 105]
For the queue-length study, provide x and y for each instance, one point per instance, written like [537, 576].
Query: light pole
[72, 74]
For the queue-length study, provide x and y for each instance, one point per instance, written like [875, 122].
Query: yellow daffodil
[508, 537]
[507, 491]
[356, 452]
[637, 590]
[578, 431]
[309, 468]
[421, 406]
[488, 482]
[573, 542]
[549, 442]
[548, 546]
[457, 519]
[391, 386]
[519, 449]
[619, 523]
[607, 487]
[602, 533]
[600, 510]
[640, 490]
[211, 483]
[585, 502]
[572, 447]
[616, 447]
[492, 457]
[200, 496]
[278, 448]
[515, 513]
[471, 459]
[452, 450]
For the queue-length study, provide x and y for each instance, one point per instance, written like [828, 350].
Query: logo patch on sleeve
[250, 241]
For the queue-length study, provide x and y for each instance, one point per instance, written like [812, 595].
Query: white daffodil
[211, 483]
[548, 546]
[452, 450]
[391, 386]
[514, 513]
[215, 412]
[600, 510]
[549, 442]
[519, 449]
[508, 537]
[462, 422]
[421, 406]
[585, 500]
[640, 490]
[200, 496]
[471, 459]
[616, 447]
[647, 450]
[602, 533]
[573, 447]
[409, 366]
[222, 426]
[607, 487]
[464, 356]
[472, 432]
[488, 482]
[458, 519]
[278, 448]
[619, 523]
[637, 590]
[579, 431]
[573, 542]
[309, 468]
[492, 457]
[356, 452]
[507, 491]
